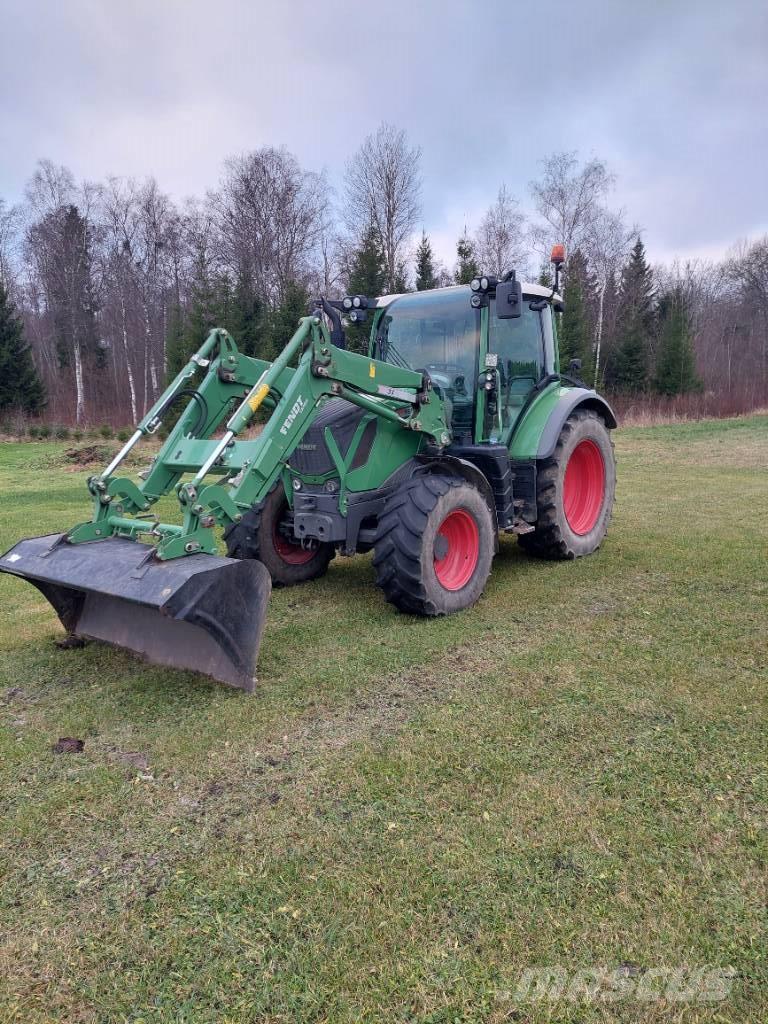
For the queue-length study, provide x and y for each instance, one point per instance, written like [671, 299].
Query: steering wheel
[441, 379]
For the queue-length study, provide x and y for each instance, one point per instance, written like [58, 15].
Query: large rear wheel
[434, 546]
[265, 534]
[574, 490]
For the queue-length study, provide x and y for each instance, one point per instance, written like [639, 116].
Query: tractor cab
[482, 364]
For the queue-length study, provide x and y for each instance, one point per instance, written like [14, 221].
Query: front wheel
[574, 491]
[434, 546]
[264, 534]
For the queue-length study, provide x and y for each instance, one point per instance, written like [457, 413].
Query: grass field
[408, 813]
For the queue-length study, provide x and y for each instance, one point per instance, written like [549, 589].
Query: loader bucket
[200, 612]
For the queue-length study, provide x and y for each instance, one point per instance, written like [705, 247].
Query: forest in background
[107, 287]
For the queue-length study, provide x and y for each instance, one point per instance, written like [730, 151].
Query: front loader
[455, 426]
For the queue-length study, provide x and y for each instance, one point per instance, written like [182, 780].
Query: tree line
[107, 288]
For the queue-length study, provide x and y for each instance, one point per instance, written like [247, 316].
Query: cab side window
[519, 344]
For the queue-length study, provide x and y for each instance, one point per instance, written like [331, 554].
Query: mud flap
[200, 612]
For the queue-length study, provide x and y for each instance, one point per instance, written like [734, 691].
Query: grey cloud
[673, 94]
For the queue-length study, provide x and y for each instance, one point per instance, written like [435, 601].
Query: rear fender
[537, 430]
[574, 398]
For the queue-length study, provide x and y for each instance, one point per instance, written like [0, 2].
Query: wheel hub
[584, 487]
[456, 550]
[291, 553]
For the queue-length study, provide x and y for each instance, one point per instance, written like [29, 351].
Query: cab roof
[538, 290]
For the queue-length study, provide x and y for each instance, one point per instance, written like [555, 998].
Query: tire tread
[398, 547]
[547, 540]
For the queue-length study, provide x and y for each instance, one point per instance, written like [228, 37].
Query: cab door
[519, 347]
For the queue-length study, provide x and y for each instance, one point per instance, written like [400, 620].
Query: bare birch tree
[331, 252]
[152, 253]
[60, 242]
[120, 214]
[271, 216]
[568, 198]
[383, 190]
[10, 229]
[500, 243]
[747, 267]
[607, 241]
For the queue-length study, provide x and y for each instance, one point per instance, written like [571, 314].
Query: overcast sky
[674, 95]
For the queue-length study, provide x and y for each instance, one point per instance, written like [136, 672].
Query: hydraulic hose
[202, 415]
[337, 331]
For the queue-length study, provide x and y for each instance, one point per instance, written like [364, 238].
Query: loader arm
[230, 474]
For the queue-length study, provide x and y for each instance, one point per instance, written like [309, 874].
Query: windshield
[436, 331]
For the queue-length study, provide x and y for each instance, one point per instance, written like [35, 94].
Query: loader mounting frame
[246, 469]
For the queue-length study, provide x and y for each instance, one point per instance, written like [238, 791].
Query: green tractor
[456, 426]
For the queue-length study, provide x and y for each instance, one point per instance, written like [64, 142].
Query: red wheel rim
[458, 541]
[292, 554]
[584, 487]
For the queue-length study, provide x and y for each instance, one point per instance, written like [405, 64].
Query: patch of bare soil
[84, 455]
[68, 745]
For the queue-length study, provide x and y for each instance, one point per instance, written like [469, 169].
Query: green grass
[408, 813]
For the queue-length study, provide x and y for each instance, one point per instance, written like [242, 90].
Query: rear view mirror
[509, 299]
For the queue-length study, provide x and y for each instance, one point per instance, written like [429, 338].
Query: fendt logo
[299, 405]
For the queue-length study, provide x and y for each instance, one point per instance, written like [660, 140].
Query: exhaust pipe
[201, 612]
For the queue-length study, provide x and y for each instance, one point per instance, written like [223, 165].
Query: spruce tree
[283, 320]
[211, 305]
[176, 354]
[545, 274]
[20, 384]
[425, 265]
[675, 363]
[367, 273]
[367, 276]
[634, 324]
[576, 327]
[608, 338]
[246, 319]
[400, 284]
[466, 260]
